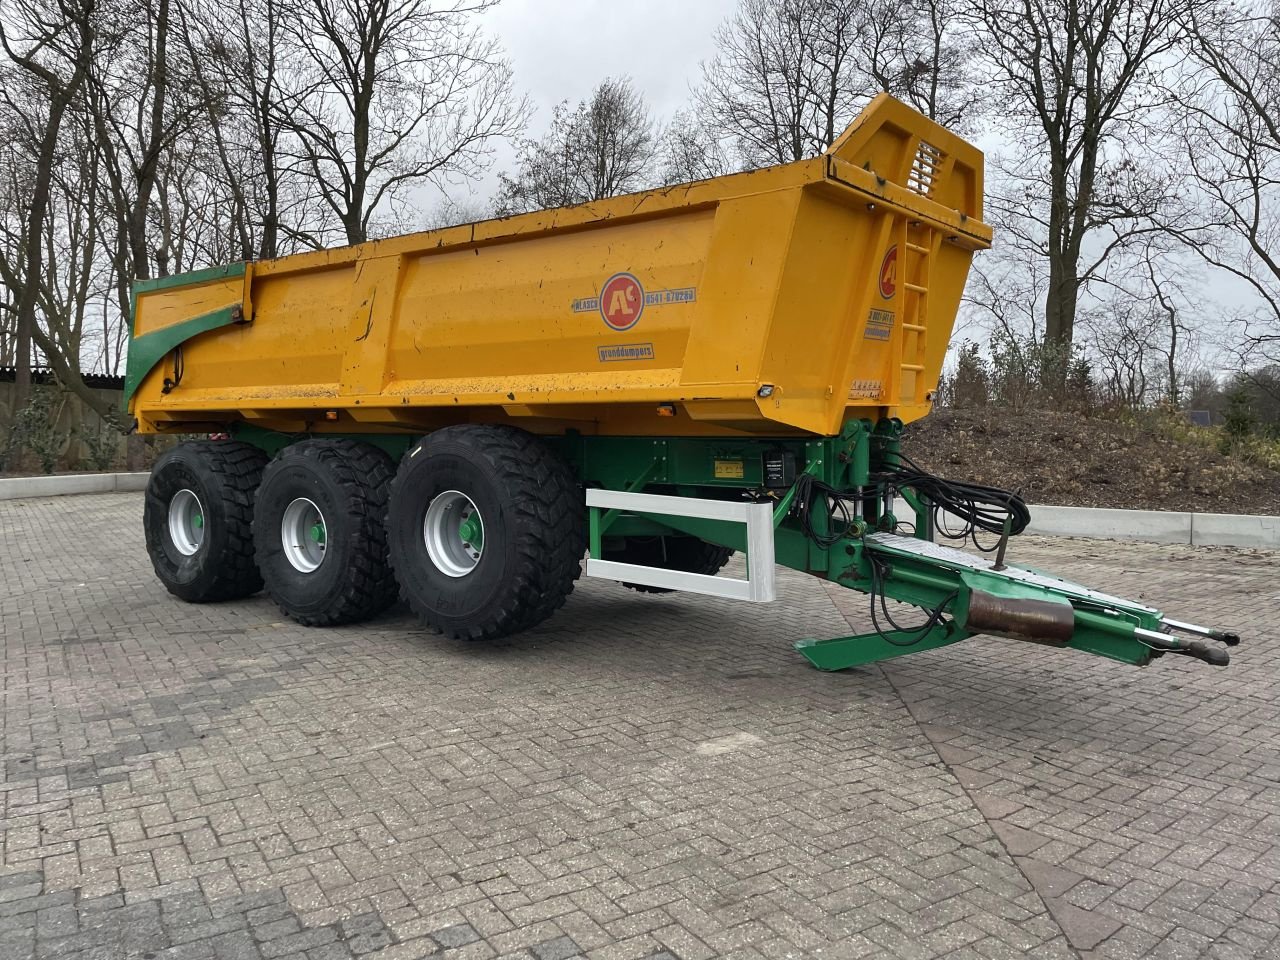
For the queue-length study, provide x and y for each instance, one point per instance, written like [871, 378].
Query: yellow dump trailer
[662, 378]
[830, 285]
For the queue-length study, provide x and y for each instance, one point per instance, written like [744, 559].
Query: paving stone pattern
[642, 777]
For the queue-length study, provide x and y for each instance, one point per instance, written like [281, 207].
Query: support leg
[840, 653]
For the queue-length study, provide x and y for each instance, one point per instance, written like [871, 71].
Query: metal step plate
[959, 560]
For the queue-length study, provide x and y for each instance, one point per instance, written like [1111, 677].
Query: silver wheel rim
[303, 535]
[186, 522]
[453, 532]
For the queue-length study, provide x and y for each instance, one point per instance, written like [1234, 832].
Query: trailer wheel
[320, 534]
[197, 520]
[486, 530]
[686, 554]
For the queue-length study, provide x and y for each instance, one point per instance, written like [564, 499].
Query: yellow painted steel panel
[779, 301]
[464, 314]
[156, 311]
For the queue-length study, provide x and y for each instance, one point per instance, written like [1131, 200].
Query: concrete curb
[17, 488]
[1155, 526]
[1097, 523]
[1150, 526]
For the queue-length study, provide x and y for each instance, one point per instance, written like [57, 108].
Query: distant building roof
[95, 381]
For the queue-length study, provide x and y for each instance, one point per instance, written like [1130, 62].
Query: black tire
[686, 554]
[223, 476]
[347, 483]
[533, 524]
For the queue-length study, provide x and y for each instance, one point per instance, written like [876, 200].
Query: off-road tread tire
[364, 473]
[686, 554]
[238, 468]
[547, 504]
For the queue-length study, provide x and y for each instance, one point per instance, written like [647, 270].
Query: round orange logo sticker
[889, 273]
[621, 301]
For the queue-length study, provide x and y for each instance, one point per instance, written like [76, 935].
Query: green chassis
[936, 579]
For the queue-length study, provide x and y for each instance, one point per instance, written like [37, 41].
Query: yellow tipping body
[778, 302]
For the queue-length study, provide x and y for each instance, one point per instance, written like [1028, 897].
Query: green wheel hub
[471, 531]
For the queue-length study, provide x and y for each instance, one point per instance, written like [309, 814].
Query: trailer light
[765, 391]
[331, 414]
[666, 409]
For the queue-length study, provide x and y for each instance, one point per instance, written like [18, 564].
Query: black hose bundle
[808, 490]
[977, 506]
[878, 576]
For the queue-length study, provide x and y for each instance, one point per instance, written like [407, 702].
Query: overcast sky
[560, 49]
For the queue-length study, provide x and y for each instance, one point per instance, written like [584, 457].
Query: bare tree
[789, 75]
[1170, 302]
[390, 94]
[194, 219]
[916, 50]
[451, 211]
[72, 276]
[73, 272]
[1075, 80]
[141, 102]
[1148, 323]
[128, 190]
[15, 194]
[689, 150]
[237, 55]
[1006, 290]
[1139, 348]
[1120, 336]
[1230, 150]
[782, 83]
[602, 147]
[52, 43]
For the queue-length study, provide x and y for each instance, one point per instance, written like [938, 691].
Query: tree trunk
[149, 169]
[33, 262]
[1066, 228]
[1061, 300]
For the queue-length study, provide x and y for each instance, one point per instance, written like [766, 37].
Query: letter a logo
[619, 304]
[889, 273]
[621, 301]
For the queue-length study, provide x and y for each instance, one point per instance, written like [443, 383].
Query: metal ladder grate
[917, 248]
[924, 169]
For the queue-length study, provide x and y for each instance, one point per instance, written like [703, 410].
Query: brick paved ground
[641, 777]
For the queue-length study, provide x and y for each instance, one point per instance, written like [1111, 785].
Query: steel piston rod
[1222, 636]
[1215, 656]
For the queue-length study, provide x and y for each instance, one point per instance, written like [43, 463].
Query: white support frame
[758, 517]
